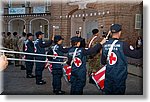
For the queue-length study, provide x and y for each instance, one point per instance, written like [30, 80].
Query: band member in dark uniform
[77, 60]
[29, 48]
[116, 69]
[40, 46]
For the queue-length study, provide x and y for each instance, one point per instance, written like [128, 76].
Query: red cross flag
[112, 58]
[77, 62]
[99, 77]
[67, 71]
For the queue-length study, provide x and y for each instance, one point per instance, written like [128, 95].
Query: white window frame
[48, 2]
[47, 5]
[9, 3]
[138, 21]
[27, 3]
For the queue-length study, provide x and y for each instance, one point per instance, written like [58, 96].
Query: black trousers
[57, 75]
[29, 67]
[78, 81]
[39, 70]
[114, 87]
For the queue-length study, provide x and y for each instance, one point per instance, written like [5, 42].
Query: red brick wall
[122, 13]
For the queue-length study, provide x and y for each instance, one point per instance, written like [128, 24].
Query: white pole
[15, 59]
[33, 54]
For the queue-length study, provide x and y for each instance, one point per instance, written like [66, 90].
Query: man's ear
[120, 33]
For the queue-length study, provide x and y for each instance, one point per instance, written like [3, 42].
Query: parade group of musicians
[78, 55]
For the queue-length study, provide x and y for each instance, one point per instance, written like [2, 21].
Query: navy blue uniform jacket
[29, 48]
[117, 66]
[81, 54]
[60, 51]
[40, 46]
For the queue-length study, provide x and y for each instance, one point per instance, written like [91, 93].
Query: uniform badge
[112, 58]
[77, 62]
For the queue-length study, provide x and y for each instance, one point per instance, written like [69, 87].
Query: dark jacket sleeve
[64, 50]
[46, 44]
[23, 47]
[50, 52]
[83, 44]
[133, 53]
[90, 51]
[103, 59]
[69, 59]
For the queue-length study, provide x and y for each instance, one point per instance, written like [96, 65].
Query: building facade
[70, 16]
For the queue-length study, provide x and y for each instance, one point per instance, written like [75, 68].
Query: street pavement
[16, 83]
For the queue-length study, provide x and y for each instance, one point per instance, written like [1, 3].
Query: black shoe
[54, 91]
[30, 76]
[42, 82]
[60, 92]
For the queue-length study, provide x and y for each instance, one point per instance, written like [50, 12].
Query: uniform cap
[29, 34]
[58, 38]
[39, 33]
[115, 28]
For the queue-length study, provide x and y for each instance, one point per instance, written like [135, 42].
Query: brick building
[69, 16]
